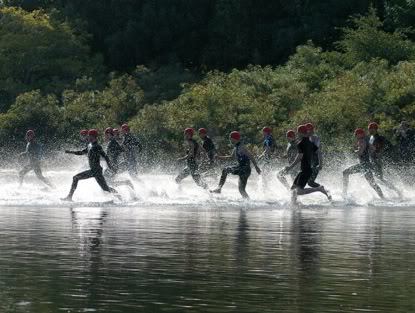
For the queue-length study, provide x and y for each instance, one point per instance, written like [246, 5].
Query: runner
[131, 146]
[376, 149]
[208, 146]
[364, 166]
[317, 158]
[95, 152]
[306, 150]
[267, 154]
[243, 169]
[191, 157]
[113, 152]
[33, 155]
[290, 154]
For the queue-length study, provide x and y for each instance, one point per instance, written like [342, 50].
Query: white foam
[160, 189]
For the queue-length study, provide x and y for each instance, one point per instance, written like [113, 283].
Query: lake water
[182, 250]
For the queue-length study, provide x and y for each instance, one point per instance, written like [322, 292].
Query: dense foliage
[217, 34]
[53, 78]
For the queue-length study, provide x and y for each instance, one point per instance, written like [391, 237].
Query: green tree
[367, 40]
[39, 52]
[35, 111]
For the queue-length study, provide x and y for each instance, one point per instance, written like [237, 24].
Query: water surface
[171, 258]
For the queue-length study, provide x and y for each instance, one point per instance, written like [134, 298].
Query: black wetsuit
[291, 152]
[192, 167]
[406, 145]
[210, 148]
[377, 144]
[269, 145]
[95, 152]
[364, 166]
[114, 151]
[33, 153]
[131, 145]
[243, 170]
[307, 149]
[315, 162]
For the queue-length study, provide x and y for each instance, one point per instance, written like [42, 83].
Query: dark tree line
[205, 34]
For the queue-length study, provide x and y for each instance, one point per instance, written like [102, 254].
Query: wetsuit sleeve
[79, 152]
[315, 148]
[380, 144]
[105, 156]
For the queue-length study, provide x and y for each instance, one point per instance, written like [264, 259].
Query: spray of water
[157, 187]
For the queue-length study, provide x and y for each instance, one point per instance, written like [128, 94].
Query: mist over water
[181, 249]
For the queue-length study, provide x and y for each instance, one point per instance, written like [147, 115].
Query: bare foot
[217, 190]
[327, 193]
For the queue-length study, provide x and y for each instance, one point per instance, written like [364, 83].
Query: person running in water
[114, 150]
[191, 157]
[317, 158]
[243, 169]
[269, 147]
[94, 152]
[364, 166]
[208, 146]
[305, 152]
[376, 149]
[131, 145]
[33, 155]
[290, 154]
[405, 137]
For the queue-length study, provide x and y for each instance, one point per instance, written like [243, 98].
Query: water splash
[159, 188]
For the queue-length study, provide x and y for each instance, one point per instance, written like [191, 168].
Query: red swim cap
[309, 126]
[109, 131]
[125, 127]
[189, 131]
[302, 129]
[373, 125]
[83, 132]
[93, 133]
[290, 134]
[30, 133]
[202, 131]
[267, 130]
[359, 132]
[235, 135]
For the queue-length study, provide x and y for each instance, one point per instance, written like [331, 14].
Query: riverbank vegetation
[67, 67]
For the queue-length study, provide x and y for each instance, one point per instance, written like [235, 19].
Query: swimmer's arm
[297, 160]
[26, 152]
[183, 158]
[251, 157]
[106, 158]
[320, 157]
[361, 148]
[226, 157]
[80, 152]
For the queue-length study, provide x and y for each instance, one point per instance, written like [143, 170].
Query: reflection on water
[193, 259]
